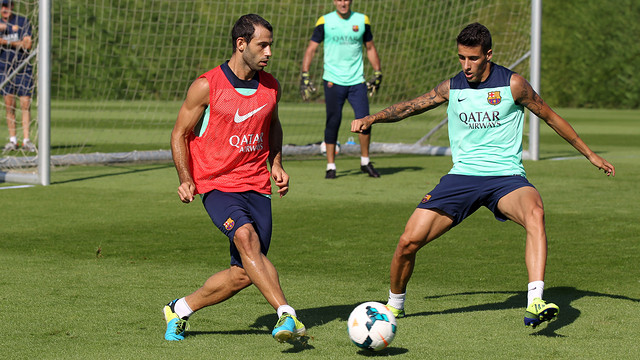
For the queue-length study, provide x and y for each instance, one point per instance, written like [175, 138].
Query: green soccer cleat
[539, 311]
[398, 313]
[288, 328]
[175, 325]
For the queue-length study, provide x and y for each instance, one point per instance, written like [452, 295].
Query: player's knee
[534, 220]
[240, 278]
[407, 245]
[246, 239]
[537, 214]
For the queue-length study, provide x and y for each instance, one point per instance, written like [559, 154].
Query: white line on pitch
[16, 187]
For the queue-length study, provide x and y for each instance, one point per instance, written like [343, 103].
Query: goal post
[122, 69]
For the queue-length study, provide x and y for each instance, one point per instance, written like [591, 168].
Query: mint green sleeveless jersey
[343, 40]
[485, 126]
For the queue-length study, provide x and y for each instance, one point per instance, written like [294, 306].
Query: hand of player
[306, 86]
[360, 125]
[281, 179]
[374, 84]
[603, 164]
[186, 191]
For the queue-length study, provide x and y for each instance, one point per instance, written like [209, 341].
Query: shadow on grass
[312, 317]
[562, 296]
[382, 170]
[126, 171]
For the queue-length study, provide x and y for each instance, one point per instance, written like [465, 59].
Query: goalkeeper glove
[306, 86]
[374, 84]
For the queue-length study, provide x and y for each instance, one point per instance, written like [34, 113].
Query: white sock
[182, 309]
[397, 300]
[13, 139]
[286, 309]
[535, 289]
[331, 166]
[364, 160]
[25, 140]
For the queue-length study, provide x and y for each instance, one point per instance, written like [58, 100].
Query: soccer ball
[371, 326]
[323, 148]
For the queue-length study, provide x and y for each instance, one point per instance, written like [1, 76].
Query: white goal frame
[43, 160]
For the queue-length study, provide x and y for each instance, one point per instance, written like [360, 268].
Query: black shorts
[461, 195]
[229, 211]
[334, 97]
[20, 85]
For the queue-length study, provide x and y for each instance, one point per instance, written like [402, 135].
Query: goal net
[121, 68]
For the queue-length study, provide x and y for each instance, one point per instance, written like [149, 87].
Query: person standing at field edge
[486, 115]
[343, 32]
[15, 43]
[227, 129]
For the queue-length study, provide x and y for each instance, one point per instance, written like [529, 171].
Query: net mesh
[121, 68]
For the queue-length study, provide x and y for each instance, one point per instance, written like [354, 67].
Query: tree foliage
[589, 48]
[153, 49]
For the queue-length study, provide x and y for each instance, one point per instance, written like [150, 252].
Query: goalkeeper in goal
[344, 32]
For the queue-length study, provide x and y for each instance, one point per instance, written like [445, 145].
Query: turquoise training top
[485, 126]
[343, 40]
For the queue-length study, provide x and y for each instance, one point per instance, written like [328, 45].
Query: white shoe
[28, 146]
[11, 146]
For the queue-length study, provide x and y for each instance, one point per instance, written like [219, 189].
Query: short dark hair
[245, 27]
[475, 34]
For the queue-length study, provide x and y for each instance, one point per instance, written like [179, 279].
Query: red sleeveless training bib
[232, 153]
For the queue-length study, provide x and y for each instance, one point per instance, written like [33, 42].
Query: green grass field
[118, 126]
[88, 262]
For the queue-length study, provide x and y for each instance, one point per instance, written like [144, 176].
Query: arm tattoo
[416, 106]
[531, 100]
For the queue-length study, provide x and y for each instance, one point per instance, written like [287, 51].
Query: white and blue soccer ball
[372, 326]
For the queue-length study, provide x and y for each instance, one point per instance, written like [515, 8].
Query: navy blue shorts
[461, 195]
[20, 85]
[229, 211]
[334, 98]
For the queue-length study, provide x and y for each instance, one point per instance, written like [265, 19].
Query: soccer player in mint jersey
[227, 130]
[486, 113]
[344, 32]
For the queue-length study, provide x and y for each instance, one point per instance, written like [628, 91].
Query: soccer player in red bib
[227, 130]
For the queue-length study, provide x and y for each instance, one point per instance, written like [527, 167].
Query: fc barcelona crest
[494, 97]
[229, 224]
[355, 28]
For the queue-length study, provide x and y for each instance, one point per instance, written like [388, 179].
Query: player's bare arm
[400, 111]
[280, 177]
[524, 94]
[190, 112]
[308, 55]
[372, 55]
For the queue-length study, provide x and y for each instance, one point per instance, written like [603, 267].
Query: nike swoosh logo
[240, 118]
[461, 100]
